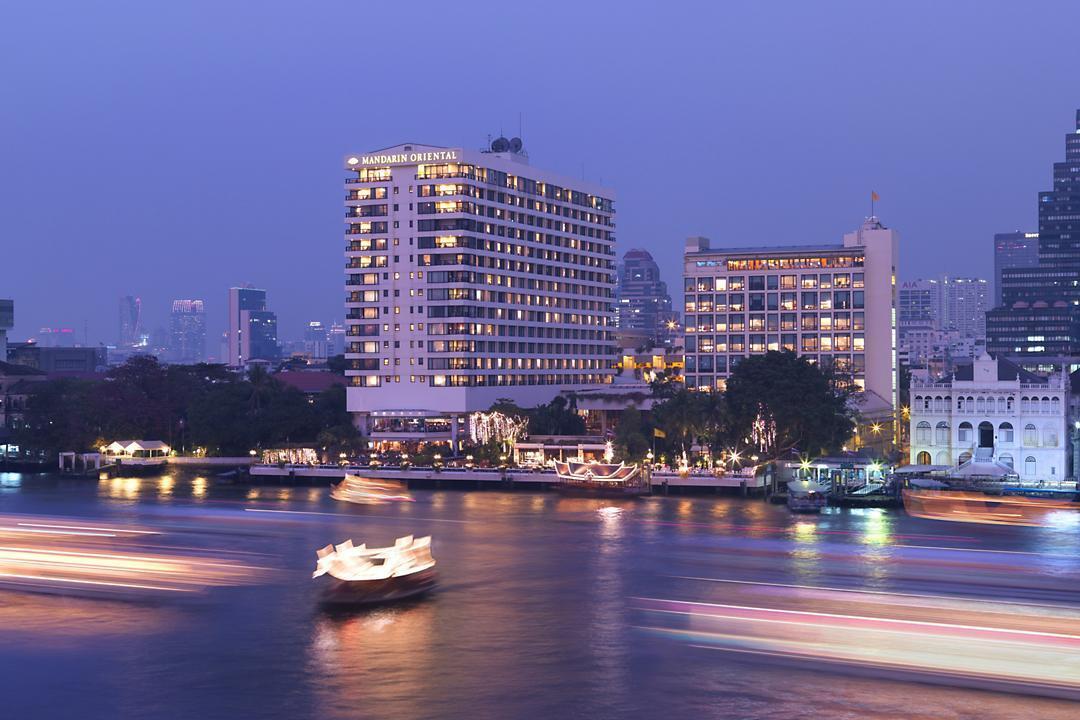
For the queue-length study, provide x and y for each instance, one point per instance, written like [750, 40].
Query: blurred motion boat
[359, 575]
[977, 507]
[806, 496]
[600, 480]
[366, 491]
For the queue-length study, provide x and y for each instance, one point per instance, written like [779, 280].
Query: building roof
[1006, 370]
[12, 369]
[772, 249]
[310, 382]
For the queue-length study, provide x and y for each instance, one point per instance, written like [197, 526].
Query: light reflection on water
[533, 617]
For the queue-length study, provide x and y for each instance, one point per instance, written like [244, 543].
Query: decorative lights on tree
[504, 429]
[763, 430]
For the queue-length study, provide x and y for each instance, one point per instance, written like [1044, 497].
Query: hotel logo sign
[406, 158]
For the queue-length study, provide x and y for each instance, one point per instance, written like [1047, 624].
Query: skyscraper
[187, 331]
[315, 340]
[252, 333]
[130, 332]
[471, 276]
[642, 299]
[1040, 305]
[1017, 249]
[964, 302]
[919, 301]
[335, 339]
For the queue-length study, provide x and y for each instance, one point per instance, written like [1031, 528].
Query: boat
[806, 496]
[978, 507]
[359, 575]
[367, 491]
[594, 479]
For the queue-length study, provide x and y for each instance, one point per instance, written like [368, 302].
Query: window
[922, 436]
[923, 458]
[1049, 436]
[1029, 466]
[1031, 435]
[1005, 433]
[941, 433]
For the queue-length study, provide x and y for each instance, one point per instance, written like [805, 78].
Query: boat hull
[600, 491]
[343, 593]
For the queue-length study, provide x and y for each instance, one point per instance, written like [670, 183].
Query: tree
[631, 442]
[558, 417]
[808, 406]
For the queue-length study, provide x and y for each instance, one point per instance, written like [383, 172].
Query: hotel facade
[471, 276]
[835, 304]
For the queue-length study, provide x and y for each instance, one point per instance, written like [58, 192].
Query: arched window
[1031, 435]
[939, 404]
[980, 405]
[1009, 404]
[1029, 466]
[923, 458]
[959, 404]
[1049, 436]
[1006, 460]
[926, 403]
[1045, 406]
[922, 433]
[964, 437]
[1025, 405]
[1005, 433]
[1001, 406]
[943, 458]
[964, 457]
[1055, 406]
[941, 433]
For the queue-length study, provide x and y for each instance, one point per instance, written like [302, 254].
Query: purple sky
[174, 149]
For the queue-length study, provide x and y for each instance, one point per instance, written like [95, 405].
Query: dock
[494, 478]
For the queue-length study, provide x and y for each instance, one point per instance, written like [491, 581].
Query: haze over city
[174, 150]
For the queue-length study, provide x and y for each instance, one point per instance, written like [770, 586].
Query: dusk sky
[170, 150]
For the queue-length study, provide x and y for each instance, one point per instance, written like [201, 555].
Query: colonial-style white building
[992, 410]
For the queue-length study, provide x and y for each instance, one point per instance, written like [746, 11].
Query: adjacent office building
[471, 276]
[187, 331]
[1016, 249]
[1040, 304]
[642, 300]
[252, 333]
[335, 340]
[964, 302]
[835, 304]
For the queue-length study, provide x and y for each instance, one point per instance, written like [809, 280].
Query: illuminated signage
[405, 158]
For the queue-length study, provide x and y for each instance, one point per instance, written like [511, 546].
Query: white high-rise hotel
[470, 277]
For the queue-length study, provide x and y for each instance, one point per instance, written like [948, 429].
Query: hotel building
[835, 304]
[471, 276]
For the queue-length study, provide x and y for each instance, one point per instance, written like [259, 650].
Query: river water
[546, 608]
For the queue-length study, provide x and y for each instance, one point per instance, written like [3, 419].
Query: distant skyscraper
[335, 340]
[252, 328]
[315, 340]
[964, 302]
[7, 321]
[919, 301]
[130, 321]
[1040, 305]
[643, 302]
[187, 331]
[1013, 250]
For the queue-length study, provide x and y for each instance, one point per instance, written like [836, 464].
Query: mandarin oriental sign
[406, 158]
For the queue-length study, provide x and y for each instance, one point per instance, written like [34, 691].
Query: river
[548, 607]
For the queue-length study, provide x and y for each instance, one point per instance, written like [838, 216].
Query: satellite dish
[515, 145]
[500, 144]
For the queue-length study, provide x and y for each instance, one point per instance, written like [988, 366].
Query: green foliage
[809, 407]
[631, 436]
[186, 406]
[558, 417]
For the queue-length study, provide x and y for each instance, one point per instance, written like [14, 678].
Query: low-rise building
[992, 410]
